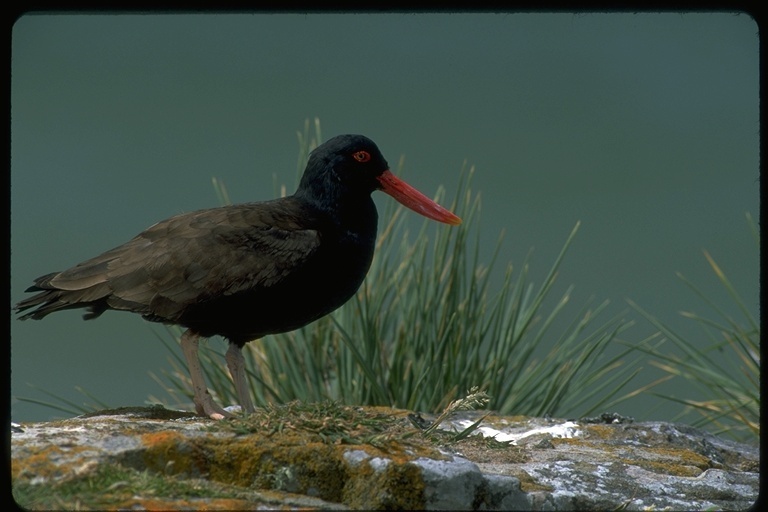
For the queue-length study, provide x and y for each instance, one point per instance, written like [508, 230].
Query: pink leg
[236, 364]
[204, 404]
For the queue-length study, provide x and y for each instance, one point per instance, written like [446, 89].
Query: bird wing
[192, 257]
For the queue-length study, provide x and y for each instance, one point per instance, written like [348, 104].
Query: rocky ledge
[328, 456]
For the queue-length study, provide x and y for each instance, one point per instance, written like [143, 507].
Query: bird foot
[205, 406]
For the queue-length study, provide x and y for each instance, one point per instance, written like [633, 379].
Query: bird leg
[236, 364]
[204, 404]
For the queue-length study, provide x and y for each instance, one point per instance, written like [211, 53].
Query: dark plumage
[245, 270]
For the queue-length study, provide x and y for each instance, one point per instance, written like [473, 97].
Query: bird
[246, 270]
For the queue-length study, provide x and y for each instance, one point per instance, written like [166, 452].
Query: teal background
[643, 126]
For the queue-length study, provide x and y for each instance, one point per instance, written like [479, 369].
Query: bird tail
[52, 299]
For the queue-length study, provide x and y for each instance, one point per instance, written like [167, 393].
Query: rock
[327, 456]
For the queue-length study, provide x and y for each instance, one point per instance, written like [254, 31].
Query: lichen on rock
[329, 456]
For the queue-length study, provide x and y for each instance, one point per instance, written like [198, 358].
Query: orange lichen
[43, 463]
[171, 453]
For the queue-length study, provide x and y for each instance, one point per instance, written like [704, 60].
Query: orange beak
[415, 200]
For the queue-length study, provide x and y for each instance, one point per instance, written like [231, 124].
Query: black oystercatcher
[247, 270]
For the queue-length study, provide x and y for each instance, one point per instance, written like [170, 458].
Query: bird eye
[362, 156]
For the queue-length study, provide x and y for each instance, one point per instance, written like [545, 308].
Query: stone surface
[152, 458]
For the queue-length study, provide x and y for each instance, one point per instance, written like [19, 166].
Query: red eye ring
[361, 156]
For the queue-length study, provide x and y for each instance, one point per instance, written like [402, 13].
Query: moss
[300, 449]
[395, 487]
[171, 453]
[598, 431]
[108, 487]
[286, 463]
[673, 461]
[686, 456]
[294, 463]
[529, 484]
[658, 459]
[486, 449]
[154, 412]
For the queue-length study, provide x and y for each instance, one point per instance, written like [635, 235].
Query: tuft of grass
[474, 399]
[329, 421]
[332, 422]
[732, 384]
[430, 320]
